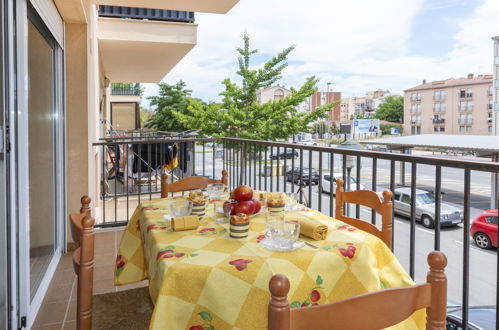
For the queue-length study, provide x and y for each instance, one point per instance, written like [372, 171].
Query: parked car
[479, 318]
[308, 143]
[295, 174]
[375, 147]
[425, 208]
[326, 183]
[284, 153]
[484, 229]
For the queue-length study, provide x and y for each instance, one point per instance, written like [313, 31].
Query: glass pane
[3, 218]
[124, 116]
[41, 155]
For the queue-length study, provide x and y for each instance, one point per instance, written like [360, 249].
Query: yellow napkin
[185, 223]
[312, 228]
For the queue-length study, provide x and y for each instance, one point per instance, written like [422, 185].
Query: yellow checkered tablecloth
[203, 279]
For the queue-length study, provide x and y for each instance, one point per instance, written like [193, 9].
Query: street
[483, 263]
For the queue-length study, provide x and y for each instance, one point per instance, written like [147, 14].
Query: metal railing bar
[331, 192]
[300, 176]
[373, 188]
[320, 182]
[310, 178]
[285, 168]
[466, 248]
[412, 250]
[271, 169]
[104, 160]
[357, 206]
[266, 166]
[204, 160]
[278, 168]
[392, 189]
[292, 169]
[438, 201]
[116, 151]
[214, 155]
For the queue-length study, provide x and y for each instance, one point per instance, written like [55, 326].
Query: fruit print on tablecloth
[347, 250]
[240, 264]
[312, 298]
[211, 231]
[169, 252]
[159, 225]
[206, 325]
[120, 264]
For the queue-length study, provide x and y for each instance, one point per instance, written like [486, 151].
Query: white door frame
[26, 307]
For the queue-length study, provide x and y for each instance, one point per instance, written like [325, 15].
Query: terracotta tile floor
[58, 309]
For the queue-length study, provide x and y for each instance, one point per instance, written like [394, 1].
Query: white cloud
[359, 45]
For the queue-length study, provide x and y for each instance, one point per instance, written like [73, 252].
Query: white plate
[269, 244]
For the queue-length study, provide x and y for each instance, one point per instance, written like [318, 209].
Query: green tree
[172, 99]
[240, 115]
[391, 110]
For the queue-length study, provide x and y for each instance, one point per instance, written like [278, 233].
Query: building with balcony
[364, 106]
[61, 60]
[451, 106]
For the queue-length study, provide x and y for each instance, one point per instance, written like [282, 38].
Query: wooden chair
[375, 310]
[82, 230]
[370, 199]
[189, 183]
[119, 309]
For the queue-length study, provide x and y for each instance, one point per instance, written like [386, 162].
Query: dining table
[204, 279]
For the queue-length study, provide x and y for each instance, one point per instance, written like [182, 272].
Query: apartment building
[451, 106]
[322, 98]
[364, 106]
[59, 59]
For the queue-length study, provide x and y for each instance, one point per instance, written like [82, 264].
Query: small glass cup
[290, 232]
[180, 208]
[291, 198]
[215, 190]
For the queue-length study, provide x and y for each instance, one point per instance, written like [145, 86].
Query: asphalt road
[483, 263]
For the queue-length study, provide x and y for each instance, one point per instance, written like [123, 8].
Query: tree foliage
[240, 115]
[392, 110]
[171, 99]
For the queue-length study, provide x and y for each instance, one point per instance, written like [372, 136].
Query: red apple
[246, 207]
[243, 193]
[258, 205]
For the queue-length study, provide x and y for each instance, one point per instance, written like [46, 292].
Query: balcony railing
[263, 165]
[438, 121]
[125, 89]
[147, 14]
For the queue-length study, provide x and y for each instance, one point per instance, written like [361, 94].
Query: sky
[357, 45]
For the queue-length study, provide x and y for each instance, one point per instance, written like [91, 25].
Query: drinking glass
[291, 201]
[290, 233]
[180, 208]
[215, 190]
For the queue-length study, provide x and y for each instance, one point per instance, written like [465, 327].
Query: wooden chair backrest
[370, 199]
[83, 263]
[189, 183]
[375, 310]
[75, 219]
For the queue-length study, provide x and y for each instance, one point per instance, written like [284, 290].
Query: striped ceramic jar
[199, 210]
[239, 229]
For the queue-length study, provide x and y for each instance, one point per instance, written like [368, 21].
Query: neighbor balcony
[140, 44]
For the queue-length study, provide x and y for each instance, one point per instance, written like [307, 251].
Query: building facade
[322, 98]
[364, 106]
[59, 59]
[452, 106]
[272, 93]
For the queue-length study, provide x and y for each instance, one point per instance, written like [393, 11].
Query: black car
[288, 153]
[295, 175]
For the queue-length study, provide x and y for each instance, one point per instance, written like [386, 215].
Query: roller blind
[48, 12]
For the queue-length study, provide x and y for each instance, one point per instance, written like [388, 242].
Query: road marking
[425, 230]
[471, 246]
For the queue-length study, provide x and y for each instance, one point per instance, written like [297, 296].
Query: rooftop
[442, 141]
[452, 82]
